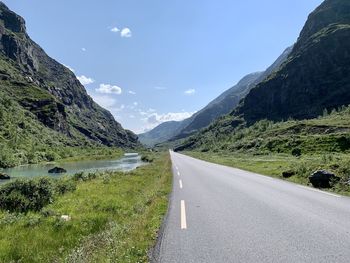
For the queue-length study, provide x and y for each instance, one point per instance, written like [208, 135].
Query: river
[127, 163]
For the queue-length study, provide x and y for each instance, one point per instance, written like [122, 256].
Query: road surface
[222, 214]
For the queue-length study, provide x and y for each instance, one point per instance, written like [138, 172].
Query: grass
[275, 164]
[115, 218]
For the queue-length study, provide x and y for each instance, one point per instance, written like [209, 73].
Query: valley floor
[275, 164]
[113, 217]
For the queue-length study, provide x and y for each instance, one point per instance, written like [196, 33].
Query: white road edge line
[180, 183]
[319, 191]
[178, 173]
[183, 215]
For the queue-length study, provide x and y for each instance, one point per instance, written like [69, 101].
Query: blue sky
[149, 61]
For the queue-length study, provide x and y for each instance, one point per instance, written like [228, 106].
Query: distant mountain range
[48, 94]
[314, 77]
[223, 104]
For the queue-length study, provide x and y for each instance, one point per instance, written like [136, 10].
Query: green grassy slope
[114, 218]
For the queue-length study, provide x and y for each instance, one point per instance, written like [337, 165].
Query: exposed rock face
[315, 76]
[57, 170]
[323, 179]
[50, 90]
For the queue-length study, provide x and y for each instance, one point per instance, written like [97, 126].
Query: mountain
[220, 106]
[161, 133]
[47, 96]
[315, 77]
[61, 102]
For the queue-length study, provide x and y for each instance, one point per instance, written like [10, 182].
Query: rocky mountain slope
[220, 106]
[49, 91]
[315, 77]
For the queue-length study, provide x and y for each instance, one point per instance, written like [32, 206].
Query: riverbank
[112, 216]
[275, 164]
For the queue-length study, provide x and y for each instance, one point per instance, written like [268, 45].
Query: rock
[57, 170]
[66, 218]
[323, 179]
[4, 176]
[288, 173]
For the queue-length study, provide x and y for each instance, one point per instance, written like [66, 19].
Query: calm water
[127, 163]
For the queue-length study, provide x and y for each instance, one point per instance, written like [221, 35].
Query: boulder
[57, 170]
[323, 179]
[4, 176]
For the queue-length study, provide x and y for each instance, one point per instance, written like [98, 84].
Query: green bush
[84, 176]
[65, 185]
[296, 152]
[32, 195]
[26, 195]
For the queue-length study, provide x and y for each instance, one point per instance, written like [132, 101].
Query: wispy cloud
[132, 92]
[151, 118]
[85, 80]
[83, 49]
[109, 89]
[190, 92]
[115, 30]
[126, 32]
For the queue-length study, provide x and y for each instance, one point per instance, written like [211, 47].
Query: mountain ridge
[314, 78]
[51, 91]
[221, 105]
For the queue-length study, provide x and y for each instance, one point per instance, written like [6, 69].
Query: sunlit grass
[115, 217]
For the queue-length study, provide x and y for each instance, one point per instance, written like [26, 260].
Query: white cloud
[152, 119]
[126, 32]
[109, 89]
[85, 80]
[83, 49]
[115, 30]
[68, 67]
[132, 92]
[104, 101]
[135, 103]
[190, 92]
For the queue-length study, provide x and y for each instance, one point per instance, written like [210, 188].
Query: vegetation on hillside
[298, 147]
[112, 217]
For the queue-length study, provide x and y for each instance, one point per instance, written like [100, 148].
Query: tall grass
[114, 218]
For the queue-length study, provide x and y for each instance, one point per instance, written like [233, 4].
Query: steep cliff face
[50, 90]
[316, 75]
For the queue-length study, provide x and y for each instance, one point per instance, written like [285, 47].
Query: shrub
[65, 185]
[84, 176]
[296, 152]
[26, 195]
[32, 195]
[147, 158]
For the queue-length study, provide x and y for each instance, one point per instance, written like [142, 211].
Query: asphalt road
[222, 214]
